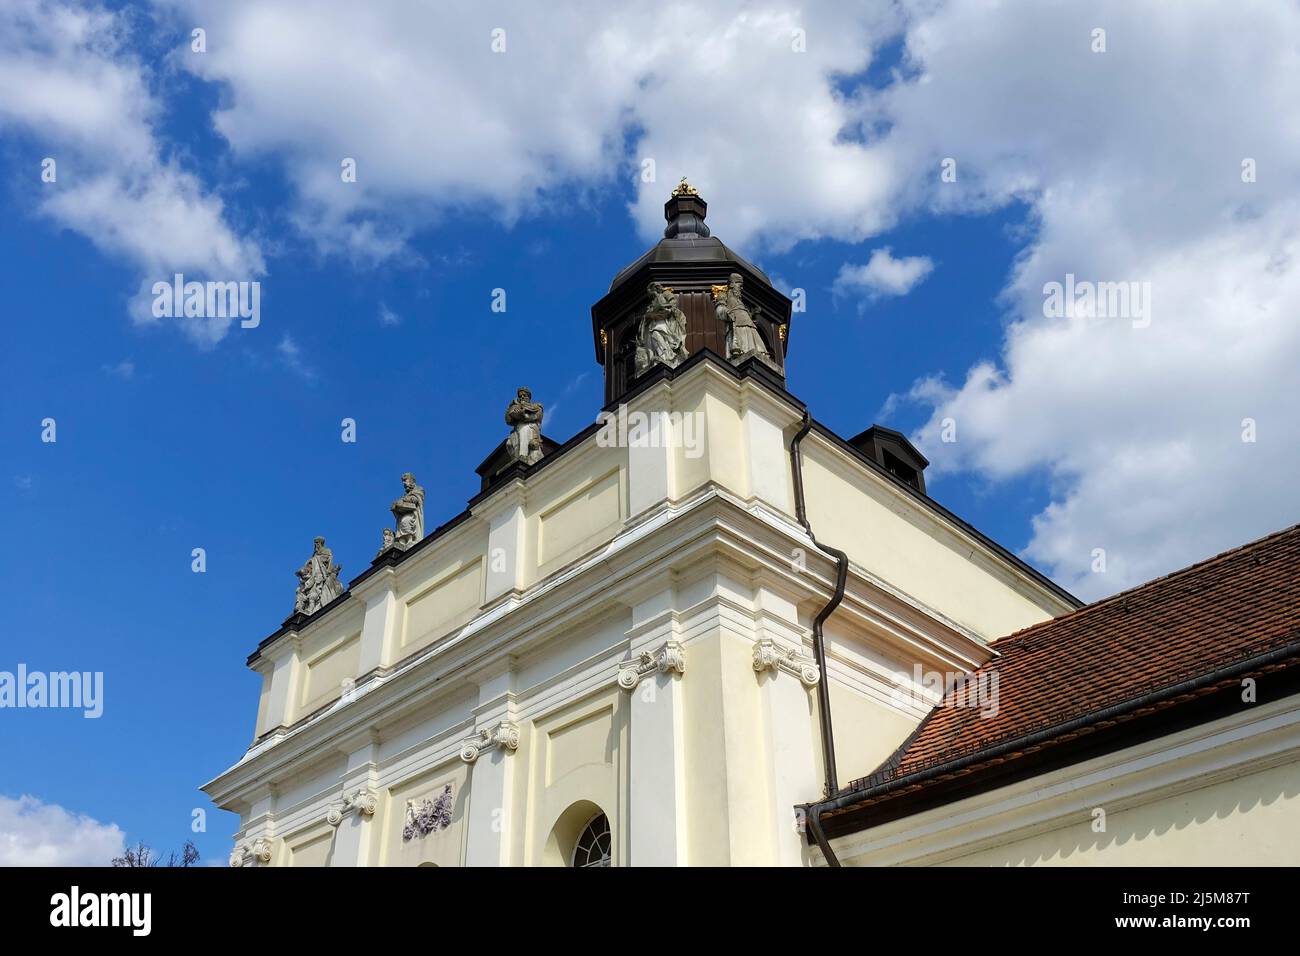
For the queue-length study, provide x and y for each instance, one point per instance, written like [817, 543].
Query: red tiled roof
[1223, 611]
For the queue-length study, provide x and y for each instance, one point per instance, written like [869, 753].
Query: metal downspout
[819, 640]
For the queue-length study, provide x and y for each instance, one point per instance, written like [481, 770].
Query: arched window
[592, 848]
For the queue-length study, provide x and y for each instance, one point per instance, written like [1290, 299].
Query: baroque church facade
[707, 630]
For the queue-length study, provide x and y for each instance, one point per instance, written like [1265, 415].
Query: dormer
[893, 452]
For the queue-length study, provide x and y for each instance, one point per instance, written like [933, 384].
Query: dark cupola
[687, 294]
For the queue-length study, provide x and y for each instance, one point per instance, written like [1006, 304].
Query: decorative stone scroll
[670, 657]
[524, 416]
[408, 512]
[504, 735]
[365, 802]
[257, 851]
[318, 580]
[769, 655]
[428, 816]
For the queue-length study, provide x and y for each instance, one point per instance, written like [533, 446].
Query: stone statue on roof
[318, 580]
[743, 339]
[524, 416]
[661, 337]
[408, 512]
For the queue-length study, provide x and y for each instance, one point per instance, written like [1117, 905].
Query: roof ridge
[1121, 595]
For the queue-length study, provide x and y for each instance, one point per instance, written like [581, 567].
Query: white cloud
[440, 125]
[69, 83]
[35, 833]
[1130, 161]
[550, 412]
[124, 370]
[1127, 163]
[290, 356]
[883, 275]
[387, 317]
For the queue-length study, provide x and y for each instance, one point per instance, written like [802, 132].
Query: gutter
[1111, 713]
[819, 638]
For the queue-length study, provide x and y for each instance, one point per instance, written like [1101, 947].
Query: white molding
[1264, 736]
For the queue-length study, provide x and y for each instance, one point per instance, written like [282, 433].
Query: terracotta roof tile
[1222, 611]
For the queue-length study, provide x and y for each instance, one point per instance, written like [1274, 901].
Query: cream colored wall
[441, 848]
[1217, 793]
[866, 733]
[578, 768]
[440, 606]
[708, 814]
[890, 536]
[326, 670]
[577, 515]
[729, 815]
[263, 723]
[311, 846]
[1253, 820]
[571, 510]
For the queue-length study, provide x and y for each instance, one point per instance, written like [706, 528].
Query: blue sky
[376, 306]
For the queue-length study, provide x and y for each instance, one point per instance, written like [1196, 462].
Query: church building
[708, 630]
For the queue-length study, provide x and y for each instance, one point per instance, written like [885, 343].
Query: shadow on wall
[1173, 820]
[564, 835]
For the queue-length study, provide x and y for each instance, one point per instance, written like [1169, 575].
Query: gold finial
[685, 189]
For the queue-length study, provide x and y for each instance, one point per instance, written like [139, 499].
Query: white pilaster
[657, 785]
[255, 845]
[379, 626]
[281, 705]
[356, 828]
[507, 526]
[787, 681]
[764, 420]
[650, 448]
[492, 768]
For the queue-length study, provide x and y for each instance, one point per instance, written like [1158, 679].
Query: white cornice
[709, 527]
